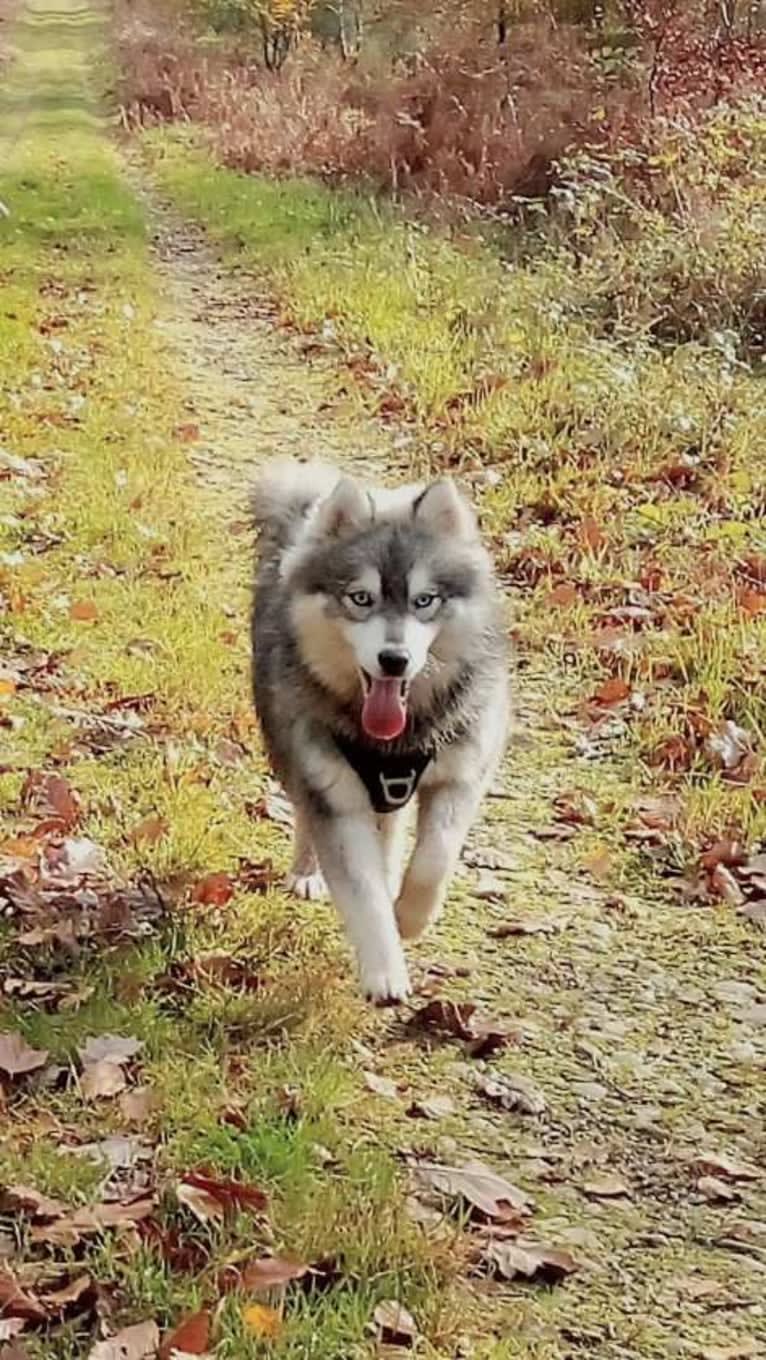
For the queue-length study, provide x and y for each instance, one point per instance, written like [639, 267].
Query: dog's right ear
[345, 511]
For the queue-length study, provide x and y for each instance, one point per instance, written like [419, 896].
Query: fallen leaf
[84, 611]
[529, 1260]
[590, 533]
[150, 829]
[563, 595]
[7, 686]
[394, 1323]
[25, 1199]
[728, 745]
[190, 1337]
[229, 1194]
[605, 1187]
[725, 1167]
[448, 1017]
[187, 433]
[262, 1321]
[109, 1048]
[382, 1086]
[270, 1272]
[205, 1207]
[16, 1056]
[480, 1187]
[16, 1351]
[214, 890]
[136, 1106]
[751, 602]
[100, 1080]
[17, 1302]
[716, 1190]
[525, 925]
[612, 692]
[116, 1151]
[139, 1342]
[58, 1300]
[50, 795]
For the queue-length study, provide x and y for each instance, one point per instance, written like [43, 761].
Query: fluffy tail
[284, 493]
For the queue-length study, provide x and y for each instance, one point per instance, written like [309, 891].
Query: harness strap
[390, 779]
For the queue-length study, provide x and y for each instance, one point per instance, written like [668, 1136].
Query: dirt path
[636, 1030]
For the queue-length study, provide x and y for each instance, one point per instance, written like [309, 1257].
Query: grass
[115, 523]
[622, 1010]
[605, 383]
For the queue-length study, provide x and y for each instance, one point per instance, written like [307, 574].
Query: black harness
[390, 779]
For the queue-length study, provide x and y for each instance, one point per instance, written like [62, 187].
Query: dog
[380, 675]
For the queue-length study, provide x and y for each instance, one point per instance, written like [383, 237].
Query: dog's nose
[393, 660]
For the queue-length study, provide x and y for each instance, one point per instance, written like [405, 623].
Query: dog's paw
[386, 986]
[309, 887]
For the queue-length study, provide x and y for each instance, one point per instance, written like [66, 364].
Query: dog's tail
[285, 491]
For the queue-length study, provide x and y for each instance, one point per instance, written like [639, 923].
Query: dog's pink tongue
[384, 714]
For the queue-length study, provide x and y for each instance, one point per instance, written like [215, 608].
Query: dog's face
[387, 595]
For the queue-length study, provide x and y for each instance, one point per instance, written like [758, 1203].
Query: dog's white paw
[310, 887]
[386, 986]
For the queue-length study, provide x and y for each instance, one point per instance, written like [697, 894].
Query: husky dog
[380, 673]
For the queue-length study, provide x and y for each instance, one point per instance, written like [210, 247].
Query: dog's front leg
[445, 814]
[351, 856]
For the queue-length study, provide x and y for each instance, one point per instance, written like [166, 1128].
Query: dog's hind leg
[305, 878]
[445, 814]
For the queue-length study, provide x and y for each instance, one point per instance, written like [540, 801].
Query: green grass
[589, 379]
[87, 392]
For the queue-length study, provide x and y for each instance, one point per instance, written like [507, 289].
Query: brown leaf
[84, 611]
[67, 1230]
[229, 1194]
[751, 602]
[16, 1302]
[136, 1106]
[725, 1167]
[101, 1080]
[139, 1342]
[50, 795]
[111, 1048]
[187, 432]
[58, 1300]
[190, 1337]
[17, 1350]
[270, 1272]
[262, 1321]
[525, 925]
[205, 1207]
[590, 534]
[150, 829]
[716, 1190]
[394, 1324]
[530, 1260]
[16, 1056]
[563, 595]
[25, 1199]
[605, 1187]
[613, 691]
[214, 890]
[480, 1187]
[448, 1017]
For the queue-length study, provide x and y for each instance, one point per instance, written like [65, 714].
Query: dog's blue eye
[425, 600]
[361, 598]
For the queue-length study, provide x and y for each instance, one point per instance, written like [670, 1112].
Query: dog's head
[389, 591]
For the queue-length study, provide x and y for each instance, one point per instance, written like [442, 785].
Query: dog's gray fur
[320, 535]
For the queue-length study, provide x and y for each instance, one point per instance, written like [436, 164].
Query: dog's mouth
[384, 707]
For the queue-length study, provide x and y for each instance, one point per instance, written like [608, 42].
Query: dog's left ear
[443, 510]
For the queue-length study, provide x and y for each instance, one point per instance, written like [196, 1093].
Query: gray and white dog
[380, 672]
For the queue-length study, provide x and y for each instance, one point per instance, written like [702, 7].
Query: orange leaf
[599, 864]
[191, 1337]
[262, 1321]
[590, 533]
[612, 691]
[752, 602]
[187, 434]
[7, 686]
[564, 595]
[150, 829]
[214, 890]
[84, 611]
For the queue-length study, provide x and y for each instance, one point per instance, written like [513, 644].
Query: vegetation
[571, 316]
